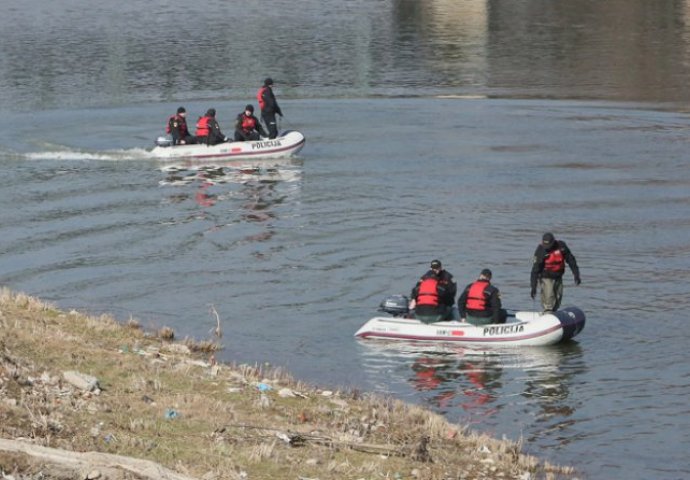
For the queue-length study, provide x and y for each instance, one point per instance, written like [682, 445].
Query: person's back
[433, 296]
[208, 130]
[480, 302]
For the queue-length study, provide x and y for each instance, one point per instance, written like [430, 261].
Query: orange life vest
[203, 129]
[477, 297]
[554, 261]
[428, 293]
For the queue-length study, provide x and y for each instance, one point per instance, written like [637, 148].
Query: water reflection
[453, 380]
[483, 386]
[547, 385]
[256, 188]
[632, 49]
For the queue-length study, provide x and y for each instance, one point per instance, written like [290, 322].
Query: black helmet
[181, 110]
[211, 112]
[486, 273]
[268, 81]
[249, 107]
[435, 264]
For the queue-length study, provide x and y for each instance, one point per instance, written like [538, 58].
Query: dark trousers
[270, 121]
[188, 140]
[210, 140]
[242, 136]
[477, 320]
[428, 314]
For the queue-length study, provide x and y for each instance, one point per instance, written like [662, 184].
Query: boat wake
[57, 153]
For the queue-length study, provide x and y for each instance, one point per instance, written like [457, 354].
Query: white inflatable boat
[522, 328]
[287, 144]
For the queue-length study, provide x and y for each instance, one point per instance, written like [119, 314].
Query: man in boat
[269, 107]
[433, 297]
[208, 130]
[480, 302]
[548, 268]
[247, 126]
[177, 128]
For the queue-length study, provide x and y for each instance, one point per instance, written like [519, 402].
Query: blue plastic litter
[170, 414]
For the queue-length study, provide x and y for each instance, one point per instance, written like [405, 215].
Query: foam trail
[107, 155]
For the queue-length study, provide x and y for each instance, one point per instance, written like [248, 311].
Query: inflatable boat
[287, 144]
[521, 328]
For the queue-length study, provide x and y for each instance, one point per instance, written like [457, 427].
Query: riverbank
[87, 397]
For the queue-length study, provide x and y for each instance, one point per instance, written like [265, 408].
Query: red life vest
[182, 124]
[260, 97]
[554, 261]
[248, 123]
[203, 129]
[476, 297]
[428, 293]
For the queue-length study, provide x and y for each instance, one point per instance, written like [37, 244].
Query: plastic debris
[170, 414]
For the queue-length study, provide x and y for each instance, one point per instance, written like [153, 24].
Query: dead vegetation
[168, 408]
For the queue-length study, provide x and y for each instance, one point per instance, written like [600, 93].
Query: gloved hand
[578, 280]
[533, 293]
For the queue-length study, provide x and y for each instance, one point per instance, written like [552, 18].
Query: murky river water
[457, 130]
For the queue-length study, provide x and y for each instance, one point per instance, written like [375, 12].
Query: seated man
[208, 130]
[247, 126]
[177, 128]
[480, 302]
[433, 297]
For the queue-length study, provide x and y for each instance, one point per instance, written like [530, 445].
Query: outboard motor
[163, 141]
[396, 305]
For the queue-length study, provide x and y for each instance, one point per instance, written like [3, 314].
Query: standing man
[269, 107]
[480, 302]
[177, 128]
[433, 297]
[548, 267]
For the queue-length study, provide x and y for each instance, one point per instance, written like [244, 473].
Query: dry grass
[167, 402]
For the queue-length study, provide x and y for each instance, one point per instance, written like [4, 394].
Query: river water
[459, 130]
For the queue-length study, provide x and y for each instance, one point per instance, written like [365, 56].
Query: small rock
[81, 380]
[93, 475]
[312, 462]
[286, 393]
[327, 393]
